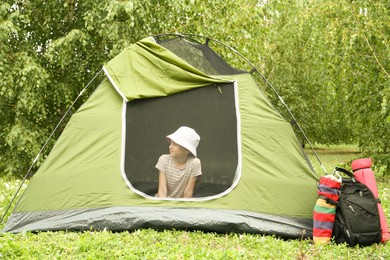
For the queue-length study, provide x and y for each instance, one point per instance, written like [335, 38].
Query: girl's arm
[189, 190]
[162, 185]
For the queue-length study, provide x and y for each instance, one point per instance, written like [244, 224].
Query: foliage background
[329, 60]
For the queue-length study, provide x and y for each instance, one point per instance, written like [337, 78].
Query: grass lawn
[173, 244]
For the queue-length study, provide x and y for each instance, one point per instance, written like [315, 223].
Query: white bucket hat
[186, 137]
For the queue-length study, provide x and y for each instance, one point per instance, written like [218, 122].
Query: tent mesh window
[200, 56]
[210, 110]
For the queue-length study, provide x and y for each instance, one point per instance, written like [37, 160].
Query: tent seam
[113, 83]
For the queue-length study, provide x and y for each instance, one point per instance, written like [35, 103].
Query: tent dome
[101, 172]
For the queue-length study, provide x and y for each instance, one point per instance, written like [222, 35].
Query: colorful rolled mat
[325, 209]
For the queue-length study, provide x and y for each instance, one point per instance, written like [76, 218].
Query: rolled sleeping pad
[324, 211]
[364, 174]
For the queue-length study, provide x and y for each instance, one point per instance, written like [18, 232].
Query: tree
[54, 48]
[329, 61]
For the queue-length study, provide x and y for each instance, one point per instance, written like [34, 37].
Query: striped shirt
[177, 179]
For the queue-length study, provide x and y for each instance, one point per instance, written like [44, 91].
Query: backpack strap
[350, 174]
[329, 201]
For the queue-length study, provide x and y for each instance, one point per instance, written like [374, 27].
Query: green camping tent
[101, 172]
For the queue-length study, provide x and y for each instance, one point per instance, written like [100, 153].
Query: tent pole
[45, 144]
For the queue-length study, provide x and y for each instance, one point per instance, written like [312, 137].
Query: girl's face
[177, 151]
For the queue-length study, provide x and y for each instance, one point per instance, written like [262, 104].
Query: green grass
[151, 244]
[174, 244]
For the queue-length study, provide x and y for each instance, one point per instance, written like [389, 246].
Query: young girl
[179, 169]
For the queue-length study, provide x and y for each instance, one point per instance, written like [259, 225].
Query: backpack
[357, 219]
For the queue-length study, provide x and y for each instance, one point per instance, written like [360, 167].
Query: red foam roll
[361, 164]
